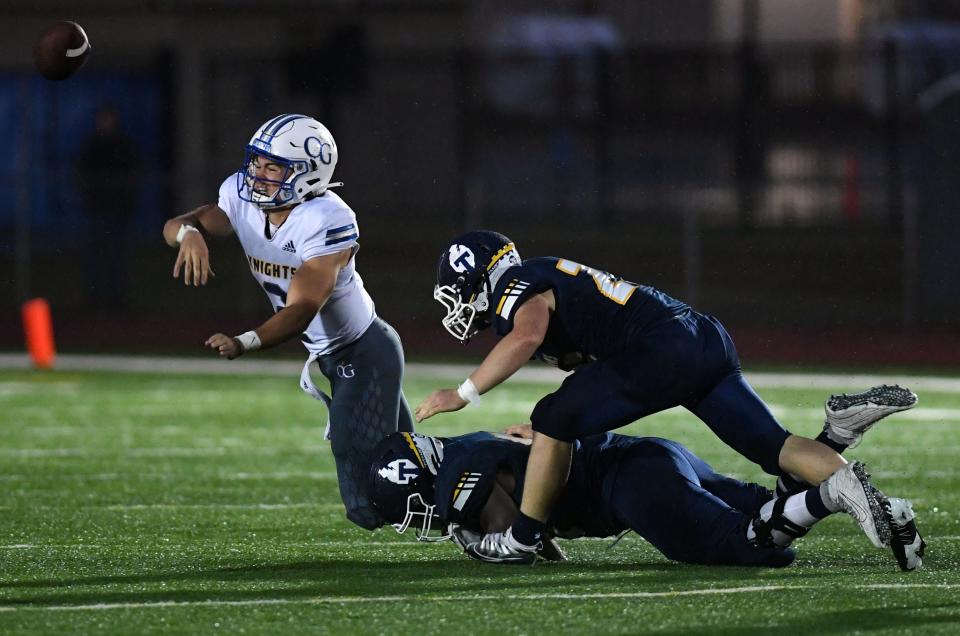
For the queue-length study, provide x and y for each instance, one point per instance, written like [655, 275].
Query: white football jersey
[324, 225]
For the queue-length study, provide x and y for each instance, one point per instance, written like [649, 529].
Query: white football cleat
[850, 415]
[850, 489]
[501, 547]
[462, 537]
[905, 540]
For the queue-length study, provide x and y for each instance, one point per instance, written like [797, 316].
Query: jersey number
[276, 291]
[616, 289]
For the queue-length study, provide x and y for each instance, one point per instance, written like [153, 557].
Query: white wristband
[183, 231]
[468, 392]
[249, 341]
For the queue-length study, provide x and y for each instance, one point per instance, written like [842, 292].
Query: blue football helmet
[304, 150]
[401, 481]
[467, 274]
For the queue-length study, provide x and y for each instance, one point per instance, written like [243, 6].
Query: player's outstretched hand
[523, 431]
[226, 346]
[194, 258]
[440, 401]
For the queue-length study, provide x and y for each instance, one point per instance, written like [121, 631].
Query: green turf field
[139, 503]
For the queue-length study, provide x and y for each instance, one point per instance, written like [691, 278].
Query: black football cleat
[905, 541]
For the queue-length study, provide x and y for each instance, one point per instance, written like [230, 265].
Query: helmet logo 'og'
[318, 149]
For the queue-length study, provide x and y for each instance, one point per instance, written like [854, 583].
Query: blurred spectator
[108, 179]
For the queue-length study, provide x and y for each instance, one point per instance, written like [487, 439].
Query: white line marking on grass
[204, 366]
[81, 477]
[261, 506]
[130, 452]
[200, 506]
[26, 388]
[417, 598]
[306, 475]
[334, 543]
[282, 475]
[158, 452]
[930, 414]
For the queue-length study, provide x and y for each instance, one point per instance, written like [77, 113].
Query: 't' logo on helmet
[461, 258]
[399, 471]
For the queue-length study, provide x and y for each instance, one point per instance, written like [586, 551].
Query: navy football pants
[689, 361]
[368, 405]
[674, 500]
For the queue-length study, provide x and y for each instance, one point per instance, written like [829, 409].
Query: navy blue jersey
[469, 471]
[597, 314]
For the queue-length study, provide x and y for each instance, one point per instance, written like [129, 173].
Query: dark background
[789, 166]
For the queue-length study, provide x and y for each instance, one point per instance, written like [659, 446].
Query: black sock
[527, 530]
[823, 438]
[788, 485]
[815, 505]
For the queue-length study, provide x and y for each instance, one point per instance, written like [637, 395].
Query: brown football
[61, 50]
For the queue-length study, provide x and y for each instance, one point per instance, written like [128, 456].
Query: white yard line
[154, 452]
[185, 506]
[253, 366]
[461, 599]
[219, 506]
[313, 476]
[335, 543]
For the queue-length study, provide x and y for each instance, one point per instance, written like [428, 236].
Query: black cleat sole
[892, 396]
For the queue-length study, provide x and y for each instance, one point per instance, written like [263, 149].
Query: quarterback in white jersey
[319, 227]
[300, 240]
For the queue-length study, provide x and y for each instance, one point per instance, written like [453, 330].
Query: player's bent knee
[771, 450]
[555, 431]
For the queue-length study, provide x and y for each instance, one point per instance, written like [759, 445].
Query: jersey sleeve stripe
[507, 307]
[349, 237]
[337, 230]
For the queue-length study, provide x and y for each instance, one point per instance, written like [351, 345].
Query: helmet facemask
[461, 316]
[417, 507]
[255, 189]
[467, 310]
[402, 480]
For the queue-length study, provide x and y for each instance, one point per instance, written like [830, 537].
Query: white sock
[794, 510]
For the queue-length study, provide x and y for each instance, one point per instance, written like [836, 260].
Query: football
[61, 50]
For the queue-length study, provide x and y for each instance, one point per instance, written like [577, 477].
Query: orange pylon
[38, 329]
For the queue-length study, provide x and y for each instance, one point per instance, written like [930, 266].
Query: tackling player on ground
[472, 484]
[636, 351]
[301, 240]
